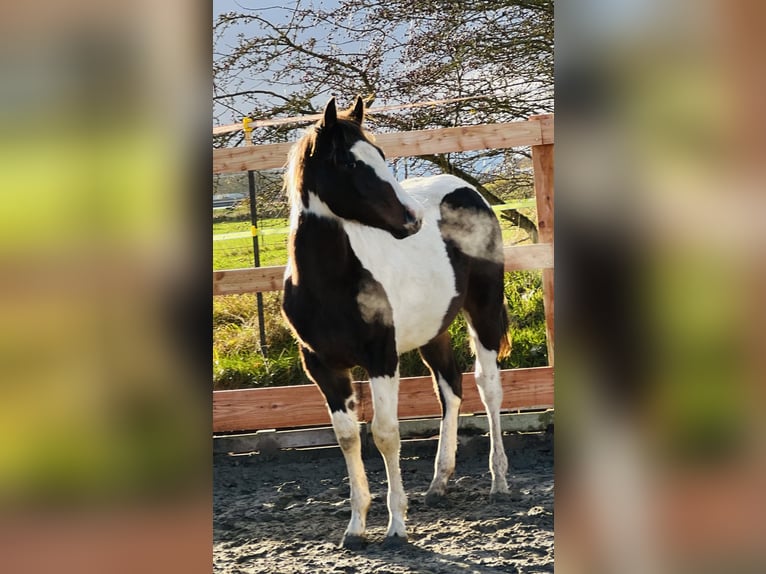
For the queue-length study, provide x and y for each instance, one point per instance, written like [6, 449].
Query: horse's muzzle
[412, 223]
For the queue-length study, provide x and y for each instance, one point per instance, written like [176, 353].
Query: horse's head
[344, 174]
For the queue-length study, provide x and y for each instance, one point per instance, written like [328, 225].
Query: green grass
[237, 253]
[239, 361]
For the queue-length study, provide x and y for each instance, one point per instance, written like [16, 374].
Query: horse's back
[463, 215]
[430, 191]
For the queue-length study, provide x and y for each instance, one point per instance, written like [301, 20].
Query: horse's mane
[304, 147]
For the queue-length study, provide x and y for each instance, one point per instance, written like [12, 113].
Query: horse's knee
[385, 434]
[385, 430]
[346, 429]
[490, 391]
[488, 377]
[385, 423]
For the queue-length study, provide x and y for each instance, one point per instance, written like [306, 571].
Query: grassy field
[239, 361]
[238, 252]
[235, 253]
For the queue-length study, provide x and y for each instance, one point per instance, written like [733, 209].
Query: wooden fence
[303, 405]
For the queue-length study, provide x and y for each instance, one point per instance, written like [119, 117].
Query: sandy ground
[286, 512]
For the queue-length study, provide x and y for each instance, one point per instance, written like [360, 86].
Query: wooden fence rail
[401, 144]
[261, 279]
[267, 407]
[303, 405]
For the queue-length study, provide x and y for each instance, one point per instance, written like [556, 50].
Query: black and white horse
[376, 268]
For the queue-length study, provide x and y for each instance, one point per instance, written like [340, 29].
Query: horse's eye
[351, 164]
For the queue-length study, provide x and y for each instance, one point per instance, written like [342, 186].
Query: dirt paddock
[285, 513]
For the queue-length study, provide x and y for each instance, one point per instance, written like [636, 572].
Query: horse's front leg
[337, 389]
[385, 431]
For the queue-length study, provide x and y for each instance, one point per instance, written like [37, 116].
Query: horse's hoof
[394, 541]
[435, 499]
[504, 497]
[353, 542]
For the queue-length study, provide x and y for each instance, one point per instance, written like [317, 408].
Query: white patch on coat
[444, 465]
[288, 271]
[346, 429]
[385, 433]
[318, 207]
[373, 303]
[415, 272]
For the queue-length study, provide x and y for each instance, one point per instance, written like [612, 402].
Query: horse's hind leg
[440, 359]
[487, 325]
[491, 393]
[337, 389]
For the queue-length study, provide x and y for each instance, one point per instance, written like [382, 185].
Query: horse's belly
[416, 275]
[418, 320]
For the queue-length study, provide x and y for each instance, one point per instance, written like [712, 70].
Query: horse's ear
[330, 114]
[357, 114]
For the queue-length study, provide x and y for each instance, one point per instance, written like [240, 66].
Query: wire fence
[233, 244]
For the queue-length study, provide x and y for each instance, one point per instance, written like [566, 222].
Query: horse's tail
[505, 338]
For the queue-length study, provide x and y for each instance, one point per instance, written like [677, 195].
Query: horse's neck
[319, 249]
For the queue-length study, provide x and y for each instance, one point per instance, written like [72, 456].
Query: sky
[275, 10]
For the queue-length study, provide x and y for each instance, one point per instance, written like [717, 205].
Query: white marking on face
[366, 153]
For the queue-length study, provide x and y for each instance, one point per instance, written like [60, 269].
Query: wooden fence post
[542, 162]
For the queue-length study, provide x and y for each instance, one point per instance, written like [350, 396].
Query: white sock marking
[385, 431]
[347, 432]
[491, 392]
[444, 465]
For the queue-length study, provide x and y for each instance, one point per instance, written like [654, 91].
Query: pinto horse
[379, 267]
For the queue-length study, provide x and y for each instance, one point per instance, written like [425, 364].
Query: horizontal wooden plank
[534, 256]
[254, 409]
[251, 280]
[272, 439]
[401, 144]
[260, 279]
[304, 405]
[522, 388]
[254, 123]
